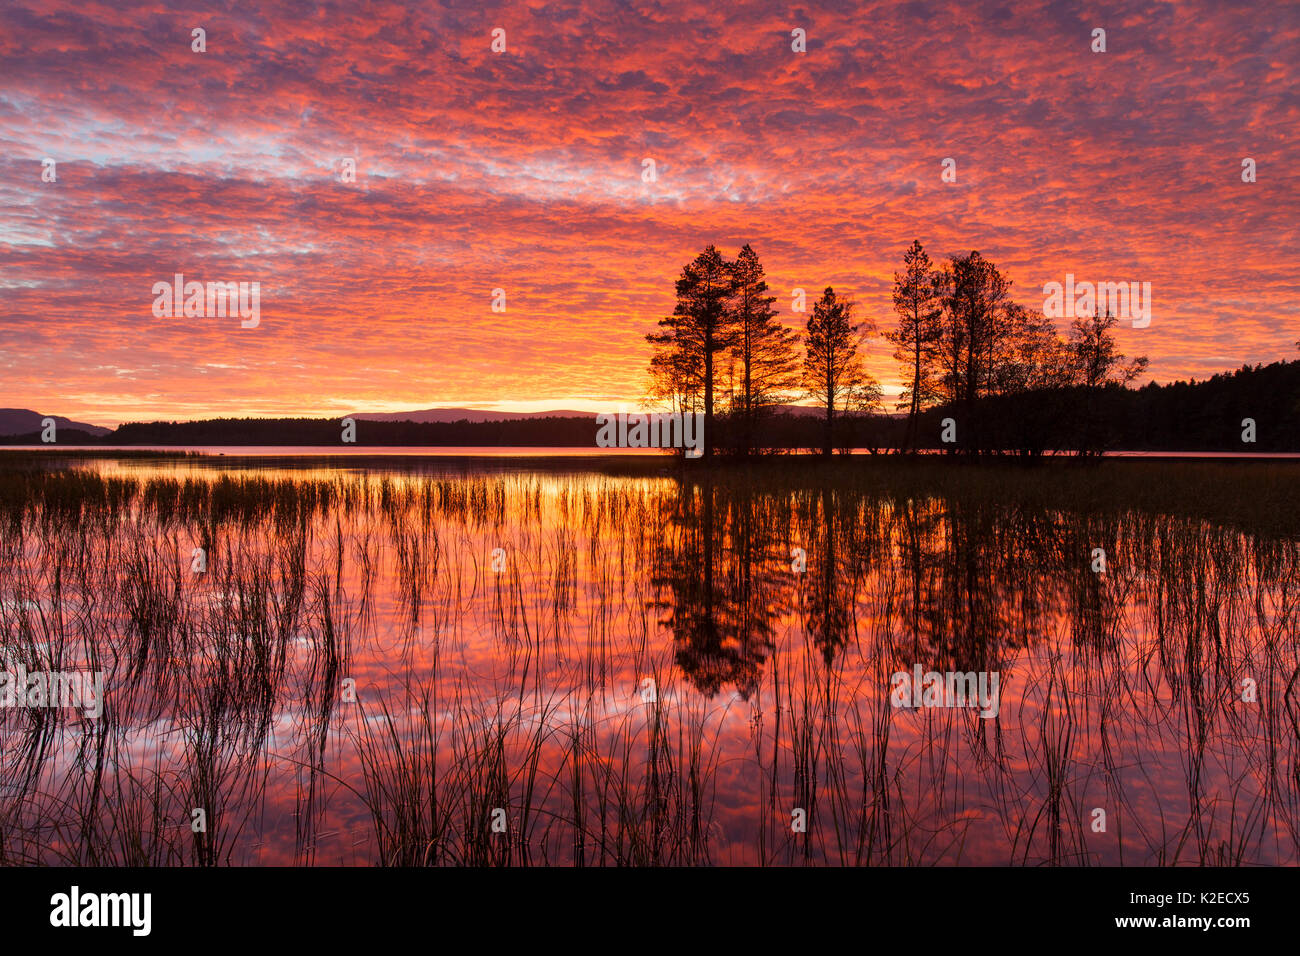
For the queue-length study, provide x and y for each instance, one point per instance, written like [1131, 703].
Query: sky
[524, 170]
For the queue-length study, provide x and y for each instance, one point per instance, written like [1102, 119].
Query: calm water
[357, 451]
[653, 669]
[529, 451]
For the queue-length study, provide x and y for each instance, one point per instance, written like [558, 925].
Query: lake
[634, 663]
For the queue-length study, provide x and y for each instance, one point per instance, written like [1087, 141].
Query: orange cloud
[522, 171]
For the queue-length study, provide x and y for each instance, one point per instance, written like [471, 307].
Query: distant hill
[24, 421]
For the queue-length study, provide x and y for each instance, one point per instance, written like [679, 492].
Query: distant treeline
[1181, 416]
[550, 432]
[1205, 416]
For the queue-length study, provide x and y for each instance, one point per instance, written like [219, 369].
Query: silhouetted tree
[764, 349]
[833, 371]
[675, 382]
[1096, 364]
[975, 333]
[702, 326]
[916, 340]
[1032, 354]
[1097, 359]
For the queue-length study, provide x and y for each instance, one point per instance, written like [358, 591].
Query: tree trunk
[708, 396]
[830, 413]
[915, 410]
[749, 402]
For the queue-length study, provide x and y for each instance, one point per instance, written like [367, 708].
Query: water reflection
[532, 668]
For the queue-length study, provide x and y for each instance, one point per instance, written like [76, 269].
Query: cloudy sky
[523, 170]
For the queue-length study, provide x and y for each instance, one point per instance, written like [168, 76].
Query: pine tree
[916, 340]
[764, 349]
[976, 331]
[701, 327]
[833, 370]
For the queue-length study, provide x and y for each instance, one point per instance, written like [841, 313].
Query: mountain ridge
[24, 421]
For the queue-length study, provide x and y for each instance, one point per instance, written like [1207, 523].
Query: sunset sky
[522, 170]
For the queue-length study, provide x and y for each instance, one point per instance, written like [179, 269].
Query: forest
[981, 372]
